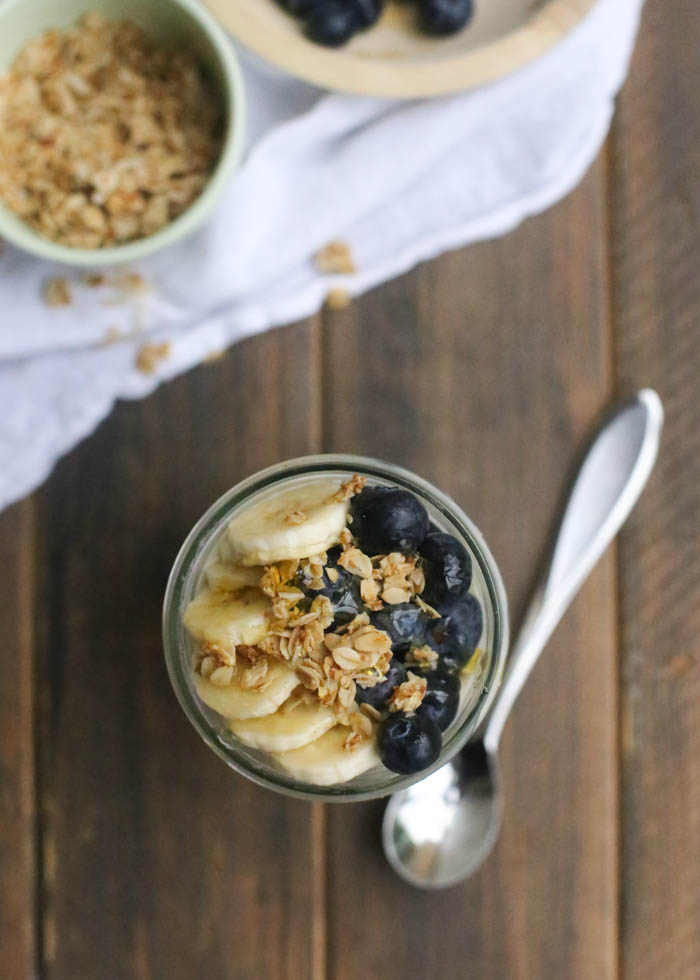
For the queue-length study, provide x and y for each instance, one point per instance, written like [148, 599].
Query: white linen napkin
[398, 181]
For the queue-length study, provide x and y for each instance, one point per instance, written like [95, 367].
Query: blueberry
[342, 588]
[447, 567]
[332, 23]
[347, 606]
[378, 695]
[455, 635]
[407, 743]
[387, 519]
[405, 623]
[367, 11]
[442, 17]
[299, 8]
[441, 699]
[401, 651]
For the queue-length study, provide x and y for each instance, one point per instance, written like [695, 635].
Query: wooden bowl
[179, 22]
[393, 59]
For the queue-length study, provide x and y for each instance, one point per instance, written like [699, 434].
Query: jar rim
[200, 537]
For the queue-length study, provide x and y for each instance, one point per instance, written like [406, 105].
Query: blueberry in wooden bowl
[401, 49]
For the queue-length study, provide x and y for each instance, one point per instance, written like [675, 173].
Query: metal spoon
[441, 829]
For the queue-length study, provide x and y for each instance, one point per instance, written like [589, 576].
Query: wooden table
[127, 850]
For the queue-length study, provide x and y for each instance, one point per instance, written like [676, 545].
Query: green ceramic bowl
[180, 22]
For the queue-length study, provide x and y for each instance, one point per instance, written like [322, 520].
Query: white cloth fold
[399, 182]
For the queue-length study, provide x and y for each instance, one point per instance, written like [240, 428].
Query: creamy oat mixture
[320, 648]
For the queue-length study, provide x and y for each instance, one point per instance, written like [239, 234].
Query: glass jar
[205, 538]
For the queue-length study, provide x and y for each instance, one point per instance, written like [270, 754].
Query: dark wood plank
[160, 861]
[17, 779]
[655, 176]
[483, 371]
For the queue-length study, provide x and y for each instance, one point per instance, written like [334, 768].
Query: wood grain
[18, 830]
[483, 372]
[159, 861]
[655, 171]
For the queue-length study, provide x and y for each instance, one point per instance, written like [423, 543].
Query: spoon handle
[608, 485]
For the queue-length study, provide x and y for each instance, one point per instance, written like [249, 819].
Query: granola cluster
[335, 258]
[218, 665]
[385, 579]
[329, 663]
[105, 136]
[409, 695]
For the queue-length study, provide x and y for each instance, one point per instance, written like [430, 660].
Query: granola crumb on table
[93, 279]
[335, 258]
[150, 355]
[57, 292]
[338, 299]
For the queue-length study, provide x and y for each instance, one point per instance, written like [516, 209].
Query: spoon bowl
[441, 830]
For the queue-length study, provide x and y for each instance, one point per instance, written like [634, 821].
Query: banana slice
[226, 618]
[326, 761]
[223, 552]
[232, 701]
[284, 731]
[232, 578]
[296, 523]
